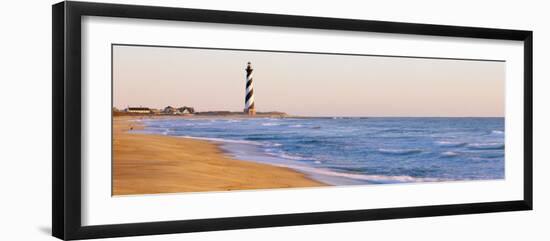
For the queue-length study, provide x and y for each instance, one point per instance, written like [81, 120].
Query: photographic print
[197, 119]
[162, 113]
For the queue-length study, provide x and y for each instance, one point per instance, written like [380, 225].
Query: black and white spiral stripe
[249, 97]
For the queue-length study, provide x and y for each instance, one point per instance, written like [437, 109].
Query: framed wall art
[169, 120]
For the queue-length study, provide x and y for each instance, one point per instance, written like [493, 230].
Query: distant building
[140, 110]
[169, 110]
[186, 110]
[178, 111]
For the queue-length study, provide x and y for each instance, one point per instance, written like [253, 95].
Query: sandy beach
[152, 164]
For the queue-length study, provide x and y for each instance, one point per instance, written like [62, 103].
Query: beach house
[186, 110]
[178, 111]
[169, 110]
[138, 110]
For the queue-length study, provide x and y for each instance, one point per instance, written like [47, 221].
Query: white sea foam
[323, 174]
[449, 154]
[451, 143]
[399, 151]
[222, 140]
[486, 146]
[270, 124]
[233, 121]
[287, 156]
[362, 177]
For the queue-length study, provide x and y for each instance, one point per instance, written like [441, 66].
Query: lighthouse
[249, 93]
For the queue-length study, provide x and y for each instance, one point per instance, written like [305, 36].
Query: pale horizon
[307, 84]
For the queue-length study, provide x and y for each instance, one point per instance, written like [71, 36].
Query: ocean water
[345, 151]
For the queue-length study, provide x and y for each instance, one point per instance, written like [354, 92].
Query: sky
[307, 84]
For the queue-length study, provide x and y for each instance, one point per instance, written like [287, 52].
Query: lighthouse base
[250, 111]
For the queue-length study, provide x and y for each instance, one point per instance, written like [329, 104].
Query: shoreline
[153, 164]
[235, 115]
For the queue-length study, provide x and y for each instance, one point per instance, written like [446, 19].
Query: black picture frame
[66, 127]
